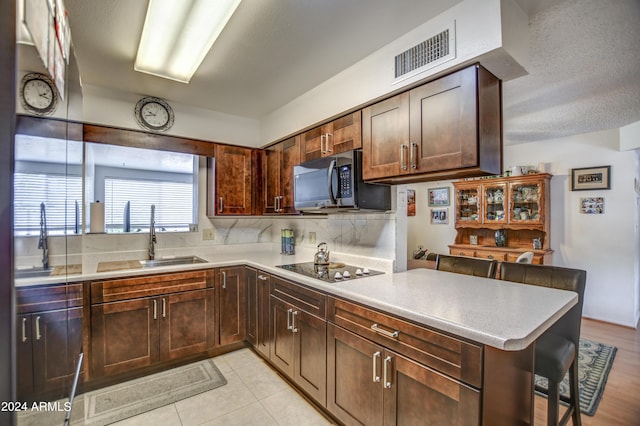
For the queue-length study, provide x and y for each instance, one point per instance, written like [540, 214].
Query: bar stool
[475, 266]
[557, 348]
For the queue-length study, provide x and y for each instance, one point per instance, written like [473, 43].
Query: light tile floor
[254, 395]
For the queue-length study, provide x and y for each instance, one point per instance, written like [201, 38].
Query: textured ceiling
[583, 74]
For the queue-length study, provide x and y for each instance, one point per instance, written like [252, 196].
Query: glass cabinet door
[526, 199]
[495, 203]
[468, 205]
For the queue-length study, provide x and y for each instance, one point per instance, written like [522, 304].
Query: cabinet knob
[262, 277]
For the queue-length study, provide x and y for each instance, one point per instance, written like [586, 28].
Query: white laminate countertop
[501, 314]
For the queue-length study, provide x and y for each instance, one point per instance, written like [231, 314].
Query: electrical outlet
[312, 237]
[208, 234]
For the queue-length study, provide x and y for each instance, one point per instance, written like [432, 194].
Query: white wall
[434, 237]
[112, 108]
[605, 245]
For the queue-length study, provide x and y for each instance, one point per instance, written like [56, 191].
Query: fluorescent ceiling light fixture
[177, 35]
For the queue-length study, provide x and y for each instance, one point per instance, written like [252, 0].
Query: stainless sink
[32, 273]
[186, 260]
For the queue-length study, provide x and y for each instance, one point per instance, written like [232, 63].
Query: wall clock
[38, 94]
[154, 114]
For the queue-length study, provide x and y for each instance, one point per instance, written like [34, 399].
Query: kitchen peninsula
[467, 340]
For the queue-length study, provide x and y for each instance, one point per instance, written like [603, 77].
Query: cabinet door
[278, 176]
[417, 395]
[354, 378]
[343, 134]
[444, 123]
[310, 372]
[124, 336]
[264, 341]
[252, 306]
[468, 203]
[51, 361]
[186, 323]
[527, 201]
[272, 187]
[282, 340]
[312, 142]
[233, 180]
[495, 203]
[233, 301]
[290, 158]
[385, 138]
[24, 357]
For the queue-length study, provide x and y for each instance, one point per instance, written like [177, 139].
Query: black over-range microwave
[335, 183]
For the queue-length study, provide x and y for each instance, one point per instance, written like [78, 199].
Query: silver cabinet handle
[326, 138]
[24, 330]
[403, 157]
[221, 205]
[321, 144]
[413, 155]
[387, 383]
[376, 357]
[38, 336]
[262, 277]
[224, 279]
[289, 326]
[293, 322]
[377, 329]
[164, 307]
[155, 309]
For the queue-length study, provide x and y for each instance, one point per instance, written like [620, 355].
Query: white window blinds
[173, 201]
[62, 196]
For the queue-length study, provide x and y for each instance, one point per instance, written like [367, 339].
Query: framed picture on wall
[592, 205]
[587, 178]
[438, 197]
[439, 216]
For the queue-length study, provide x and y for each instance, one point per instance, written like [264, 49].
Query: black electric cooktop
[331, 273]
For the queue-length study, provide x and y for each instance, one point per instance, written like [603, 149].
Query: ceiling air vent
[431, 52]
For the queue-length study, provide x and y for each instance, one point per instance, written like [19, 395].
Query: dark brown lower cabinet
[298, 347]
[48, 344]
[258, 310]
[137, 333]
[252, 306]
[233, 304]
[48, 340]
[368, 384]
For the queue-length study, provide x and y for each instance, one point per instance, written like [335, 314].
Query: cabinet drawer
[454, 357]
[311, 301]
[493, 255]
[149, 285]
[462, 252]
[40, 298]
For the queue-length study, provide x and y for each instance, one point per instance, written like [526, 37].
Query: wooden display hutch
[519, 205]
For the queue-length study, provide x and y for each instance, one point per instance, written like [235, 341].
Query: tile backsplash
[363, 234]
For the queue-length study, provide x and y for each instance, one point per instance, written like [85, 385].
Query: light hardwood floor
[620, 403]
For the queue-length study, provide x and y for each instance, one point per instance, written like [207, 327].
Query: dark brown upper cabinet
[278, 163]
[340, 135]
[448, 128]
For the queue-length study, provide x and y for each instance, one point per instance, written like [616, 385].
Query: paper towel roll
[96, 218]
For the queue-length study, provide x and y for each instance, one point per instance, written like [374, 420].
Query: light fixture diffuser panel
[178, 35]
